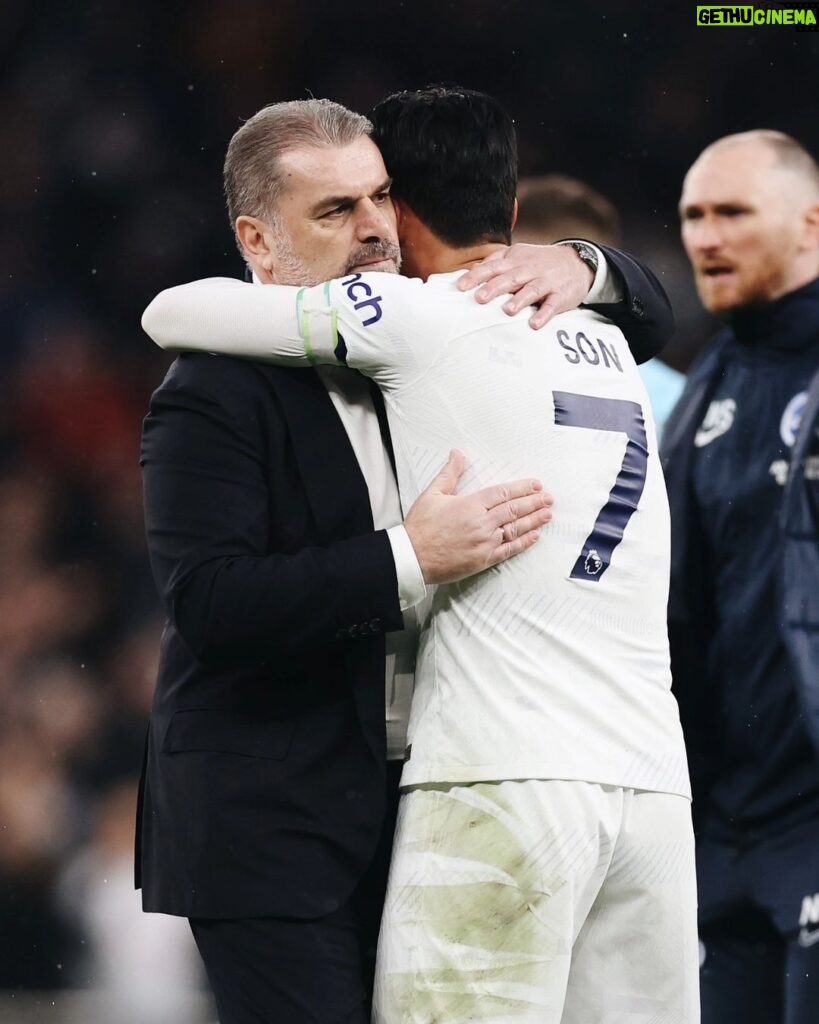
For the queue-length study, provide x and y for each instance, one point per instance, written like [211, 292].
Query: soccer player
[543, 866]
[740, 456]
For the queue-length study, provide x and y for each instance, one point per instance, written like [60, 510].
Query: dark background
[114, 118]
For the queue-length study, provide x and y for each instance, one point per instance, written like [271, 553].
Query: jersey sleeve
[261, 322]
[375, 323]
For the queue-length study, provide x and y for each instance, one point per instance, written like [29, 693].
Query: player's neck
[445, 260]
[426, 253]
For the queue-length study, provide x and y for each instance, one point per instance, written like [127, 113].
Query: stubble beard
[292, 270]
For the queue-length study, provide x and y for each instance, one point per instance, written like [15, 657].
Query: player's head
[750, 219]
[308, 194]
[452, 155]
[556, 206]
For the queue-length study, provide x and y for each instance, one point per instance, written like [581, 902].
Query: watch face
[586, 253]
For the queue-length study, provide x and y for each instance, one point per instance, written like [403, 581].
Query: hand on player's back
[457, 535]
[551, 277]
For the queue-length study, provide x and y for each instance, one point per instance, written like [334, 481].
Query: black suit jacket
[264, 781]
[263, 788]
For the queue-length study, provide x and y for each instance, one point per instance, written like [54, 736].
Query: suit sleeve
[207, 500]
[644, 315]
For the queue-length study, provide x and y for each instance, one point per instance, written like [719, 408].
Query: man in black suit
[264, 813]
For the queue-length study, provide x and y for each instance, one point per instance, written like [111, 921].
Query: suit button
[375, 625]
[352, 631]
[341, 634]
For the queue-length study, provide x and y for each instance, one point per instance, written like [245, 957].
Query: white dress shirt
[350, 394]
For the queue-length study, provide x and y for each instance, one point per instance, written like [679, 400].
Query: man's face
[335, 214]
[742, 226]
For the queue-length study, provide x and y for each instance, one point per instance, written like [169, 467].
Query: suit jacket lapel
[330, 472]
[381, 413]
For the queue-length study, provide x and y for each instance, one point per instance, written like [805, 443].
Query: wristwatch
[586, 253]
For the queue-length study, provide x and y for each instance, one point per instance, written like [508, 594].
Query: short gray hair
[253, 175]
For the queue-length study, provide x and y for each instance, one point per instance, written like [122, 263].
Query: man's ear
[400, 213]
[256, 239]
[811, 223]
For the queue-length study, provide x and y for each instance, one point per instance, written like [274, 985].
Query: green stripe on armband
[333, 319]
[303, 320]
[305, 333]
[334, 332]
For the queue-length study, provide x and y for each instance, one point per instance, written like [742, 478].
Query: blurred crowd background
[114, 118]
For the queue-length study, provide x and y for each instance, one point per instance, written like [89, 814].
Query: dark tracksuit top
[767, 771]
[726, 455]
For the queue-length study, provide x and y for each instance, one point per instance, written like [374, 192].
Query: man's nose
[706, 234]
[372, 221]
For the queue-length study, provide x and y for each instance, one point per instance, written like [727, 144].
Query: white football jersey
[555, 663]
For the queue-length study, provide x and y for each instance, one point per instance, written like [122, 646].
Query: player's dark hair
[453, 158]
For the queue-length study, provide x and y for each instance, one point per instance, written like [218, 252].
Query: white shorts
[548, 901]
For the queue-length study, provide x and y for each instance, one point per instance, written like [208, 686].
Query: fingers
[447, 480]
[514, 547]
[504, 281]
[509, 511]
[500, 493]
[526, 524]
[530, 294]
[543, 315]
[484, 271]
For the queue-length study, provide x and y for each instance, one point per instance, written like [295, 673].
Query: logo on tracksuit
[718, 421]
[792, 417]
[809, 921]
[788, 429]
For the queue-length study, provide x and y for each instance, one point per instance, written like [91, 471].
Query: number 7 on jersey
[614, 414]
